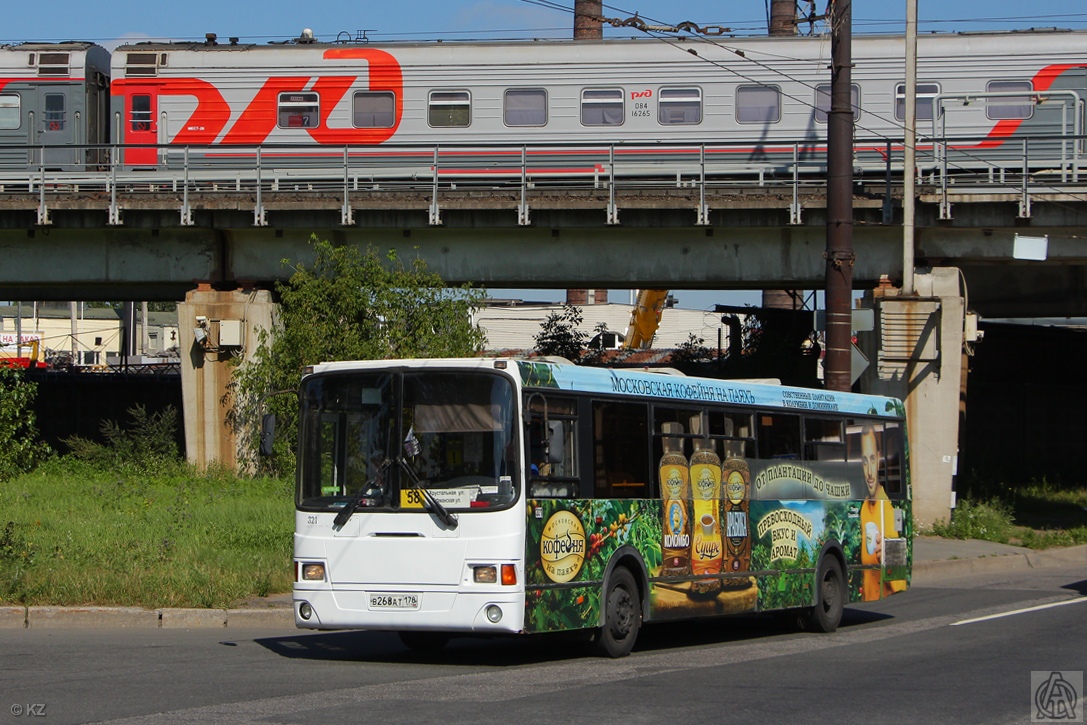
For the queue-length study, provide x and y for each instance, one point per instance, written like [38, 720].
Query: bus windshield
[372, 440]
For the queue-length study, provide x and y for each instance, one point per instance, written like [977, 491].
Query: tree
[559, 334]
[693, 350]
[20, 448]
[349, 305]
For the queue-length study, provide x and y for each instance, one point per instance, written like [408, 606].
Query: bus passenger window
[551, 444]
[621, 450]
[779, 436]
[823, 440]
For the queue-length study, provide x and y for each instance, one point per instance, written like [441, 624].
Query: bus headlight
[305, 611]
[494, 613]
[313, 572]
[484, 574]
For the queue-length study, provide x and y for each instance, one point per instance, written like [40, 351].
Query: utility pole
[909, 150]
[782, 17]
[587, 14]
[782, 24]
[839, 253]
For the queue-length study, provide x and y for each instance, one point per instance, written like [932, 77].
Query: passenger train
[753, 101]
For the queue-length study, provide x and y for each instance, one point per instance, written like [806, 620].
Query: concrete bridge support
[916, 351]
[215, 327]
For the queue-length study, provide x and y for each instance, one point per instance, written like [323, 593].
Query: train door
[56, 127]
[140, 126]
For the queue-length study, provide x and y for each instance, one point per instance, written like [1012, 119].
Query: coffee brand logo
[562, 546]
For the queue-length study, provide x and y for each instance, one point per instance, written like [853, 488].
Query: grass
[1038, 515]
[74, 533]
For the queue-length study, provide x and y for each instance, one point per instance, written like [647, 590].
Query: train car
[756, 100]
[54, 103]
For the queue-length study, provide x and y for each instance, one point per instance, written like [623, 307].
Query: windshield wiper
[353, 503]
[432, 503]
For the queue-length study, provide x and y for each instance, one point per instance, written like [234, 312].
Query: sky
[114, 21]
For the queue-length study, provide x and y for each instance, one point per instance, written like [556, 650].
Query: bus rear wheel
[622, 615]
[830, 602]
[424, 641]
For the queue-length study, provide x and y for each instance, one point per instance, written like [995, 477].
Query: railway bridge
[1004, 243]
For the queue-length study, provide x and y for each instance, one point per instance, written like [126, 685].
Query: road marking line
[1077, 600]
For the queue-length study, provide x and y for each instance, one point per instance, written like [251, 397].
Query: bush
[987, 520]
[20, 448]
[147, 443]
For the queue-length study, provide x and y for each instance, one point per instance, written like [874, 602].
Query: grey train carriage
[54, 105]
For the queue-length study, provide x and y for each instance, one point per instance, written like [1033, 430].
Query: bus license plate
[394, 601]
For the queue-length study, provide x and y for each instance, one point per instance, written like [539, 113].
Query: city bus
[484, 496]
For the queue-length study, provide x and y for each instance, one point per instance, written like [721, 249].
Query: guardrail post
[186, 212]
[114, 208]
[888, 205]
[522, 209]
[1024, 200]
[703, 209]
[260, 219]
[347, 214]
[613, 210]
[794, 208]
[43, 211]
[435, 210]
[945, 205]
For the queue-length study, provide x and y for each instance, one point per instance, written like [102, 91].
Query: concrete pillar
[213, 328]
[916, 355]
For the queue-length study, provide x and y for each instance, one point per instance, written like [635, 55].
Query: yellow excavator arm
[645, 318]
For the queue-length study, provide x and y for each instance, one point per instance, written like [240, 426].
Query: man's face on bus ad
[870, 460]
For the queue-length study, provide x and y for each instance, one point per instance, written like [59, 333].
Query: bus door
[56, 128]
[140, 126]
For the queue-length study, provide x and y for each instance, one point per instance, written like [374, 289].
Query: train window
[449, 109]
[822, 101]
[1002, 107]
[373, 109]
[141, 113]
[679, 106]
[141, 64]
[10, 116]
[758, 104]
[54, 112]
[602, 107]
[525, 107]
[299, 110]
[53, 64]
[926, 99]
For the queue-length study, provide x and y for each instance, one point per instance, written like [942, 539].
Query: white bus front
[408, 513]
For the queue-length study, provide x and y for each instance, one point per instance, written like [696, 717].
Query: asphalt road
[908, 659]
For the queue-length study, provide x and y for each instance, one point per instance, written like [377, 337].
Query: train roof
[234, 44]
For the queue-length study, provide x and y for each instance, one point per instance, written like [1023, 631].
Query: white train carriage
[54, 103]
[753, 103]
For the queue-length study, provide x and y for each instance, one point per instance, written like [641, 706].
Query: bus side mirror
[267, 433]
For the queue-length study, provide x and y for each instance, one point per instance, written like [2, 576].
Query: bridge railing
[1025, 165]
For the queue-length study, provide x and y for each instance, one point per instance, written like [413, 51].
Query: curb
[51, 617]
[1015, 561]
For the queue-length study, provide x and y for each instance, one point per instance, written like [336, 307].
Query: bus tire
[622, 615]
[424, 642]
[830, 597]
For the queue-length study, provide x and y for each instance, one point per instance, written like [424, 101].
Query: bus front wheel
[622, 615]
[830, 583]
